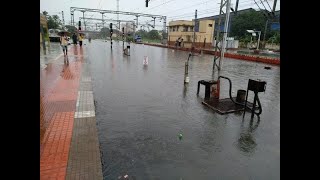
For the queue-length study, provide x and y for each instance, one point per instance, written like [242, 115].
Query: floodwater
[141, 111]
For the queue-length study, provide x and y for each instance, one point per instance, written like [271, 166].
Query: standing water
[142, 110]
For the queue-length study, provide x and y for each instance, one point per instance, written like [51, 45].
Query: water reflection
[145, 68]
[81, 51]
[66, 72]
[75, 50]
[142, 125]
[246, 142]
[185, 90]
[42, 121]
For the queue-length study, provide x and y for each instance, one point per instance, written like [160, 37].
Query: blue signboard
[275, 26]
[196, 27]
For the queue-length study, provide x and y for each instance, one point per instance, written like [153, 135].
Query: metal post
[186, 72]
[71, 14]
[43, 40]
[265, 31]
[258, 40]
[118, 12]
[274, 6]
[198, 88]
[73, 18]
[217, 39]
[254, 104]
[236, 9]
[84, 22]
[194, 30]
[111, 40]
[154, 22]
[102, 20]
[225, 35]
[62, 19]
[137, 21]
[122, 37]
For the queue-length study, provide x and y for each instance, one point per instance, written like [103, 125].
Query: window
[210, 25]
[185, 28]
[173, 29]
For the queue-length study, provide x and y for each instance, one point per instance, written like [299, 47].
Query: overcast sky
[173, 9]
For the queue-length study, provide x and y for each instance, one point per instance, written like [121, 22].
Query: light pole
[265, 32]
[254, 34]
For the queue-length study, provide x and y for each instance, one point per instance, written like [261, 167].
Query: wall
[203, 38]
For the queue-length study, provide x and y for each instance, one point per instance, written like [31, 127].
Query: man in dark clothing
[74, 38]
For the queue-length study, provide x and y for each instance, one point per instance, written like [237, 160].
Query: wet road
[140, 112]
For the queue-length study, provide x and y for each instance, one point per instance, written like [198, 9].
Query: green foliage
[275, 38]
[151, 35]
[249, 20]
[142, 33]
[71, 29]
[53, 21]
[154, 34]
[105, 32]
[130, 38]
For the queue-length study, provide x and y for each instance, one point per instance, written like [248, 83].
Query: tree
[275, 38]
[105, 32]
[71, 29]
[142, 33]
[53, 22]
[154, 34]
[45, 13]
[254, 20]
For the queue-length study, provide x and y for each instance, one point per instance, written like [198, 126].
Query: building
[204, 30]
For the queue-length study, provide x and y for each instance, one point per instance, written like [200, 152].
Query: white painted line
[84, 114]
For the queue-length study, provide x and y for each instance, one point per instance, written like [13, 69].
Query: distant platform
[224, 106]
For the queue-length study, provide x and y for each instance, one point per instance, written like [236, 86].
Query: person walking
[80, 40]
[74, 38]
[64, 43]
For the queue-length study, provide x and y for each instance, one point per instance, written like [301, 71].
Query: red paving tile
[59, 85]
[56, 148]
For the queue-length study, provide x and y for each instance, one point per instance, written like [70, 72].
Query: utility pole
[154, 22]
[71, 16]
[274, 6]
[118, 10]
[111, 31]
[258, 40]
[164, 33]
[123, 38]
[84, 22]
[137, 22]
[225, 35]
[236, 9]
[62, 19]
[265, 32]
[102, 20]
[217, 39]
[194, 31]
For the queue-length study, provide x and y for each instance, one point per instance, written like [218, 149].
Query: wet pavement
[140, 112]
[69, 147]
[52, 53]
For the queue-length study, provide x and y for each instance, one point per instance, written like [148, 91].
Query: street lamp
[254, 34]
